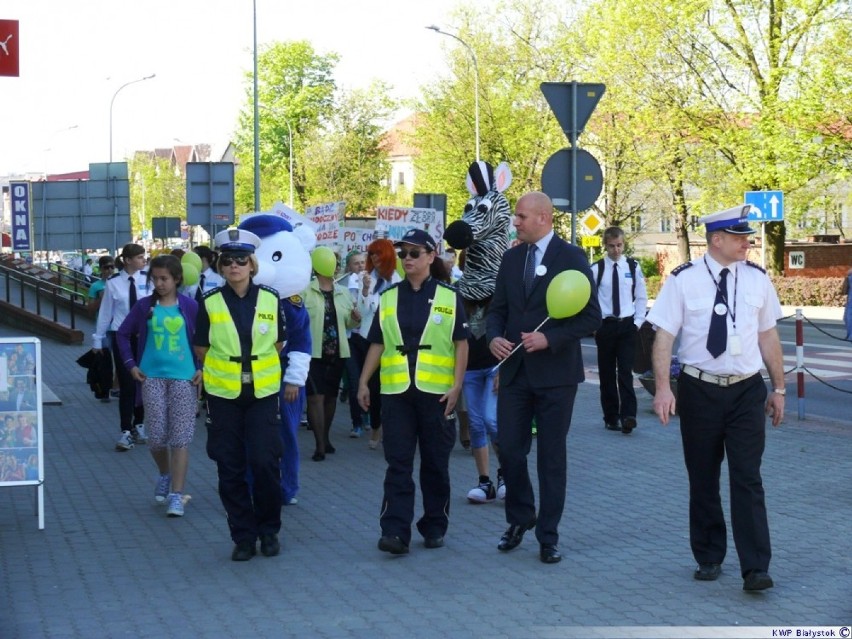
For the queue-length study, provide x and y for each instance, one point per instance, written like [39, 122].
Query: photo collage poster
[20, 412]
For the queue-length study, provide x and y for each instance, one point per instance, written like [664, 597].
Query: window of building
[401, 178]
[665, 224]
[636, 220]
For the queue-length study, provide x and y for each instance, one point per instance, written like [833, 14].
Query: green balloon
[190, 274]
[324, 261]
[567, 294]
[192, 258]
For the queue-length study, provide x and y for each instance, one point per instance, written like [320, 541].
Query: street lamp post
[112, 102]
[256, 109]
[290, 148]
[436, 29]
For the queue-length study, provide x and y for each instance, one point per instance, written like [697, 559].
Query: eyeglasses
[108, 267]
[413, 253]
[227, 260]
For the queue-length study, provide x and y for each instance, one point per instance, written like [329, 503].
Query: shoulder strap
[631, 263]
[600, 265]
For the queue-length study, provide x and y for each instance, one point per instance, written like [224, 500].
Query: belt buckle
[723, 380]
[246, 378]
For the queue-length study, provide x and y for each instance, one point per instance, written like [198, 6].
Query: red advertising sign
[9, 48]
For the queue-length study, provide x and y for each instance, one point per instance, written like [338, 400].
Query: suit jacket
[511, 313]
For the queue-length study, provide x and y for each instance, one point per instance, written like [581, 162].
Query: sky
[75, 55]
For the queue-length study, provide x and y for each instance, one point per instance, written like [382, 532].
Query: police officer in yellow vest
[238, 336]
[419, 337]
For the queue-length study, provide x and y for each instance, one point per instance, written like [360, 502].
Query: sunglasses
[413, 253]
[108, 267]
[227, 260]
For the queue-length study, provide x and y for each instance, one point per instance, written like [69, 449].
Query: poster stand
[21, 420]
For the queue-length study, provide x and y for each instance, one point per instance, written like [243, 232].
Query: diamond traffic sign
[560, 97]
[556, 179]
[766, 206]
[591, 223]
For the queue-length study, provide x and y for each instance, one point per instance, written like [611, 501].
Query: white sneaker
[164, 484]
[482, 494]
[175, 508]
[139, 435]
[501, 488]
[125, 442]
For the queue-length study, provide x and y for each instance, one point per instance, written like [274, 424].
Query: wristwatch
[779, 391]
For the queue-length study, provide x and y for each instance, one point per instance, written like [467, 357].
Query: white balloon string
[518, 345]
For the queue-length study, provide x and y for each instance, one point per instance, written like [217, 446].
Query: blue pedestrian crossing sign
[766, 206]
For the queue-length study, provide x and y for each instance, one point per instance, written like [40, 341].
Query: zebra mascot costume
[483, 233]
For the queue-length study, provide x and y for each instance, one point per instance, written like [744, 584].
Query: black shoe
[707, 572]
[393, 544]
[243, 551]
[330, 450]
[269, 545]
[612, 426]
[318, 456]
[757, 580]
[434, 542]
[628, 424]
[514, 535]
[549, 554]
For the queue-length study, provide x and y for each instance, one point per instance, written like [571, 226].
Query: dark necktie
[717, 338]
[616, 293]
[199, 292]
[529, 269]
[132, 294]
[380, 284]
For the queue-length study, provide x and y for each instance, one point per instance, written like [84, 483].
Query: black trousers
[358, 347]
[716, 421]
[243, 433]
[129, 413]
[410, 419]
[517, 404]
[616, 343]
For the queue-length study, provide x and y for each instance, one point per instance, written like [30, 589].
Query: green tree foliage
[296, 86]
[346, 160]
[156, 190]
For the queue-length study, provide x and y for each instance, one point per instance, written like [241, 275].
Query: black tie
[616, 293]
[529, 269]
[132, 295]
[199, 292]
[380, 283]
[717, 338]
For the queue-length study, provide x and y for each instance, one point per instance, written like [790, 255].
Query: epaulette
[678, 269]
[114, 275]
[757, 266]
[394, 285]
[449, 286]
[212, 291]
[268, 288]
[296, 300]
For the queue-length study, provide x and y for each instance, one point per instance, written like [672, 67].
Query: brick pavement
[110, 564]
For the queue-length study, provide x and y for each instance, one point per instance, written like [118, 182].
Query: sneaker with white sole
[175, 508]
[356, 432]
[125, 442]
[501, 486]
[483, 493]
[139, 434]
[164, 484]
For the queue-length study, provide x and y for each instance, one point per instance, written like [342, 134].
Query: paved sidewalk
[110, 564]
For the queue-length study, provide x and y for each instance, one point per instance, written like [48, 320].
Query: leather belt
[618, 319]
[718, 380]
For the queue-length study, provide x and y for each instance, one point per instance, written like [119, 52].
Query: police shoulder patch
[212, 291]
[679, 269]
[445, 285]
[757, 266]
[295, 300]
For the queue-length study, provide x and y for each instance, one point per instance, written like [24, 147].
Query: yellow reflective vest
[434, 371]
[223, 362]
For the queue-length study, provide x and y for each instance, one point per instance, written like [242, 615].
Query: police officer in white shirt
[624, 301]
[725, 309]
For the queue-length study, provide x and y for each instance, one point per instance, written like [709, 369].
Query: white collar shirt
[115, 303]
[685, 305]
[629, 307]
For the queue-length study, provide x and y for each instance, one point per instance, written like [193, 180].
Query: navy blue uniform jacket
[511, 313]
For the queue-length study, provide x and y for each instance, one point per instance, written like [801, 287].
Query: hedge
[792, 291]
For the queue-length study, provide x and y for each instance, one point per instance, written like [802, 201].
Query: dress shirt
[629, 307]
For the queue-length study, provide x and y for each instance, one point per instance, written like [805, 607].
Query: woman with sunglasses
[238, 338]
[419, 338]
[106, 269]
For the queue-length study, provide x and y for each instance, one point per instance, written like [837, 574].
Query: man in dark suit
[541, 379]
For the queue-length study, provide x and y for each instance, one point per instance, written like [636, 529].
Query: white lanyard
[728, 310]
